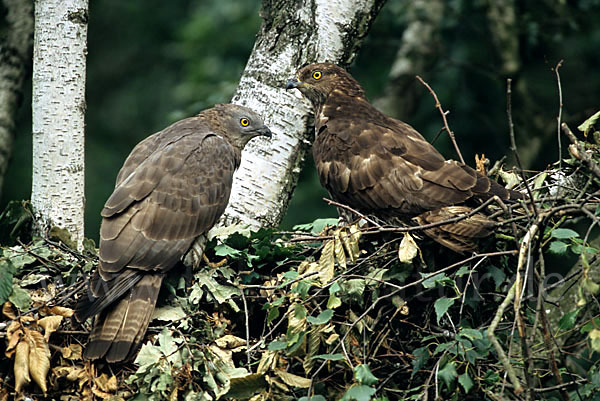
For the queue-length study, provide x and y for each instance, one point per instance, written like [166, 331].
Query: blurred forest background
[152, 62]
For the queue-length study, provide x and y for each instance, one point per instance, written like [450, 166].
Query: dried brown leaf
[268, 360]
[327, 262]
[106, 384]
[21, 367]
[61, 311]
[39, 357]
[71, 373]
[72, 352]
[408, 249]
[14, 333]
[50, 324]
[314, 341]
[351, 241]
[292, 379]
[9, 310]
[230, 342]
[340, 255]
[225, 355]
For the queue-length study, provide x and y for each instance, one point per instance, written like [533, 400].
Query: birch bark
[59, 61]
[15, 50]
[293, 34]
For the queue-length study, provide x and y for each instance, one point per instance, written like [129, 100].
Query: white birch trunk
[59, 59]
[14, 56]
[293, 34]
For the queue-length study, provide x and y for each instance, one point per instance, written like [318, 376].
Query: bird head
[242, 124]
[317, 81]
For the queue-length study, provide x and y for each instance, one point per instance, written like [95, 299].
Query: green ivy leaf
[316, 226]
[471, 334]
[448, 374]
[491, 377]
[564, 233]
[359, 393]
[323, 317]
[277, 345]
[363, 375]
[313, 398]
[148, 355]
[589, 123]
[567, 322]
[226, 250]
[462, 271]
[498, 275]
[273, 314]
[330, 357]
[558, 247]
[20, 298]
[466, 382]
[7, 271]
[438, 279]
[589, 326]
[421, 358]
[333, 302]
[441, 307]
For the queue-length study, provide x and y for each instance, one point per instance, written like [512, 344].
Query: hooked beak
[293, 83]
[264, 131]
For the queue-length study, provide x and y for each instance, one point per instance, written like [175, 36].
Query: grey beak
[265, 131]
[292, 83]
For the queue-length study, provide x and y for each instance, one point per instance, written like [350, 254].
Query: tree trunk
[59, 57]
[15, 50]
[293, 34]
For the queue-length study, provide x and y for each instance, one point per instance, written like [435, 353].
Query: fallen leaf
[21, 367]
[61, 311]
[71, 373]
[268, 360]
[408, 249]
[14, 333]
[327, 262]
[106, 384]
[39, 357]
[230, 342]
[9, 310]
[50, 324]
[293, 380]
[72, 352]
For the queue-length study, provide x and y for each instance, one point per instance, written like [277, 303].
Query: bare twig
[438, 106]
[553, 365]
[505, 362]
[346, 207]
[246, 321]
[559, 118]
[513, 143]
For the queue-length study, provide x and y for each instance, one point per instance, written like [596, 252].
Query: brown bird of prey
[382, 166]
[173, 187]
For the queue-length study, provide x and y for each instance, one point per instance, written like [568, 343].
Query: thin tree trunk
[293, 34]
[59, 58]
[15, 55]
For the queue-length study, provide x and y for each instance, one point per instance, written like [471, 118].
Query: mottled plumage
[172, 188]
[380, 165]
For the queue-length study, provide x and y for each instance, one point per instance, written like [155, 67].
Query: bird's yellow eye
[245, 122]
[317, 75]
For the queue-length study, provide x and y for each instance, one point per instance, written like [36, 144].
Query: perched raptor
[380, 165]
[172, 188]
